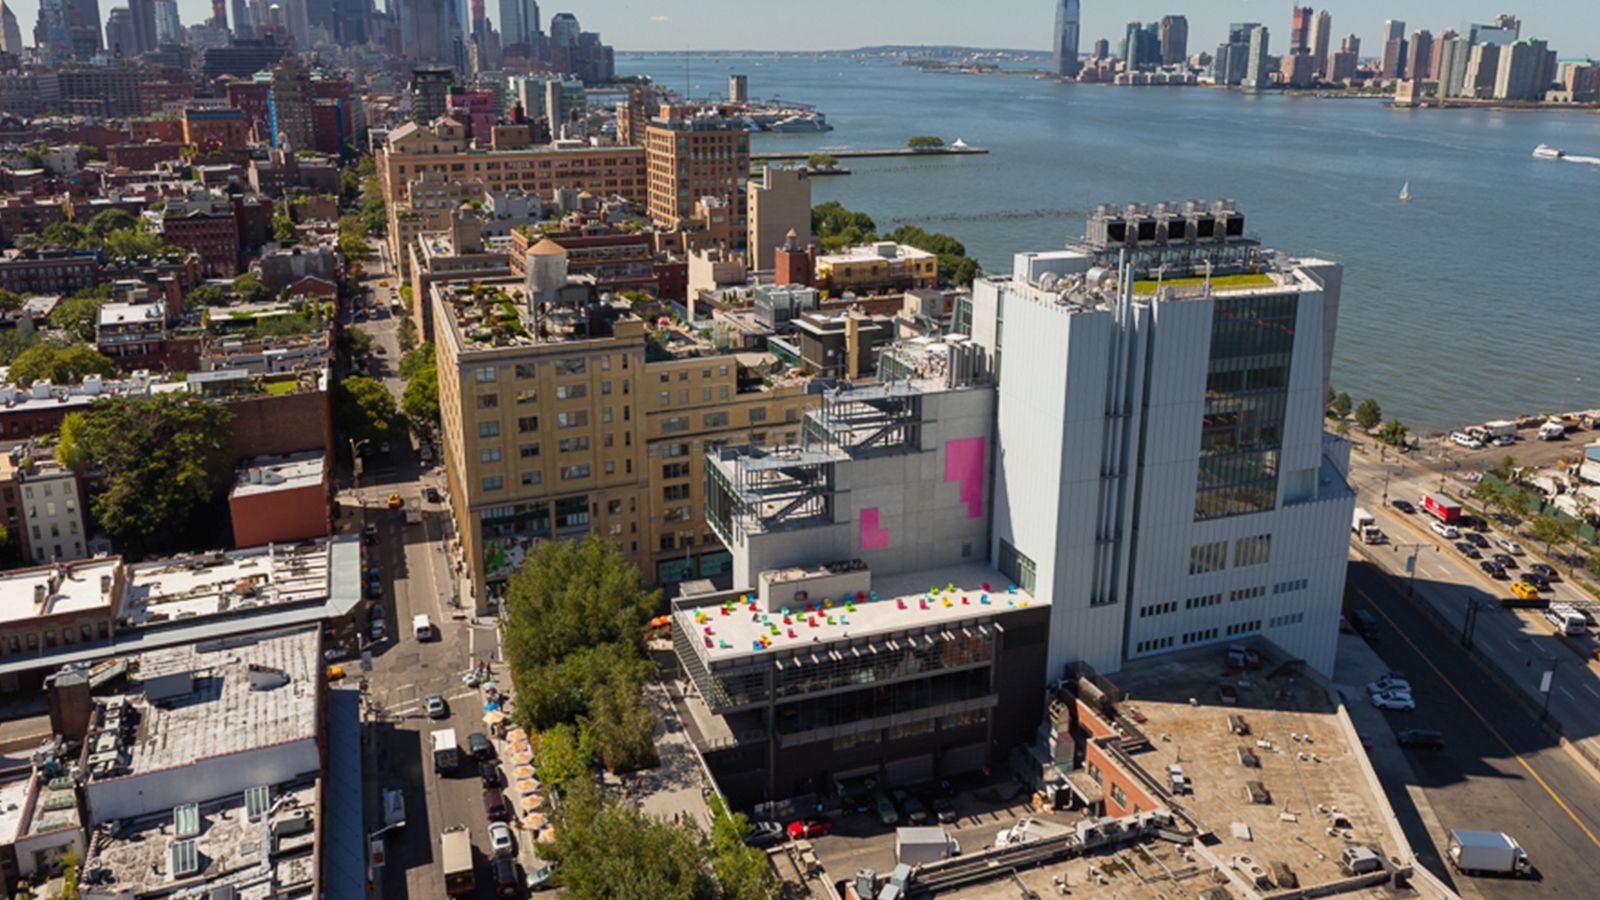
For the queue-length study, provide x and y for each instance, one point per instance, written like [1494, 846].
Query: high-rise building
[1393, 28]
[10, 31]
[142, 15]
[1394, 59]
[428, 88]
[1419, 55]
[1342, 65]
[1438, 43]
[289, 114]
[1064, 47]
[169, 27]
[1300, 29]
[1256, 72]
[1521, 71]
[431, 33]
[780, 205]
[1321, 40]
[1483, 65]
[1452, 57]
[1177, 487]
[121, 42]
[1174, 40]
[1351, 44]
[1505, 29]
[692, 156]
[297, 19]
[738, 88]
[564, 31]
[69, 28]
[243, 21]
[519, 25]
[1141, 46]
[1233, 57]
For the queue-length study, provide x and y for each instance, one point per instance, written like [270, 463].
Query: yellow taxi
[335, 672]
[395, 503]
[1524, 590]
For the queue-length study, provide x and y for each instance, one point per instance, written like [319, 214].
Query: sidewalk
[677, 788]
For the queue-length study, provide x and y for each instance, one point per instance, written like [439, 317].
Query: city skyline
[1013, 24]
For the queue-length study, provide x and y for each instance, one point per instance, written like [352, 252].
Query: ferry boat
[1545, 151]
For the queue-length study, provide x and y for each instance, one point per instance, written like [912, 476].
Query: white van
[1569, 620]
[1552, 431]
[421, 628]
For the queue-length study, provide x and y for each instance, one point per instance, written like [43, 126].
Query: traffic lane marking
[1377, 608]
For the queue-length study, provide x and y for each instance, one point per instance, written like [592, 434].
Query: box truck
[1365, 527]
[446, 753]
[915, 846]
[1444, 510]
[1487, 853]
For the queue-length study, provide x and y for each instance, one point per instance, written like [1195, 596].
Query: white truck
[1487, 853]
[925, 844]
[1365, 527]
[446, 752]
[1552, 430]
[1027, 830]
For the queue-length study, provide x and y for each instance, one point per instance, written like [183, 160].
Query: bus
[1568, 620]
[456, 852]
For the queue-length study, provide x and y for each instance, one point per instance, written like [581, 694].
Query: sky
[1571, 26]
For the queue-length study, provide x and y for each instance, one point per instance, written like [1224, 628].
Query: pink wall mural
[872, 537]
[963, 462]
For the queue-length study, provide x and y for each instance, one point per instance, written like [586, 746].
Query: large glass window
[1247, 387]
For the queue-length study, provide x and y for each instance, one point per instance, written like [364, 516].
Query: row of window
[532, 478]
[1159, 609]
[1252, 551]
[1249, 593]
[1204, 558]
[1294, 618]
[51, 637]
[1239, 628]
[1284, 587]
[1152, 645]
[563, 367]
[1195, 637]
[683, 374]
[1202, 602]
[705, 396]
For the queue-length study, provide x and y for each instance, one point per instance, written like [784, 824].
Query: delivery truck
[1444, 510]
[446, 753]
[1365, 527]
[925, 844]
[1487, 853]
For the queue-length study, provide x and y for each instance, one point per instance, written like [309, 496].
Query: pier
[865, 154]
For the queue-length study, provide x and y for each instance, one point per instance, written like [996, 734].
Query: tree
[1488, 495]
[78, 314]
[407, 335]
[1395, 433]
[1369, 414]
[109, 220]
[164, 459]
[10, 301]
[283, 230]
[955, 266]
[60, 364]
[822, 161]
[743, 871]
[1505, 468]
[66, 233]
[132, 243]
[1592, 564]
[1552, 531]
[1340, 406]
[605, 850]
[349, 186]
[416, 360]
[924, 142]
[250, 289]
[13, 341]
[837, 227]
[367, 410]
[420, 400]
[562, 758]
[206, 295]
[1516, 505]
[354, 343]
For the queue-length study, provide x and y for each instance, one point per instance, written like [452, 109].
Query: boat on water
[1545, 151]
[1405, 192]
[803, 122]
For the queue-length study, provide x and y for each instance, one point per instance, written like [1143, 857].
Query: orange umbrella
[533, 821]
[522, 757]
[521, 772]
[547, 836]
[528, 802]
[515, 734]
[528, 785]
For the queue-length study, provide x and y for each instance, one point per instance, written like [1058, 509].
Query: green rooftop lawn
[1218, 282]
[286, 386]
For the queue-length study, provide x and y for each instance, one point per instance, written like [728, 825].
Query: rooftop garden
[1218, 282]
[489, 314]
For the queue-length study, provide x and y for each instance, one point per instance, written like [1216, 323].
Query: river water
[1478, 299]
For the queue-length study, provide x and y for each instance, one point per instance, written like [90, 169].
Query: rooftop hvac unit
[295, 821]
[1145, 229]
[1177, 230]
[1203, 227]
[1234, 227]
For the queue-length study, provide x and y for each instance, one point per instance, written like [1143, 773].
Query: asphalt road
[1500, 770]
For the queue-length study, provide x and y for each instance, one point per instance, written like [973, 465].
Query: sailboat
[1405, 192]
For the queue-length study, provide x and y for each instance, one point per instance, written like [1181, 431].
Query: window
[1118, 796]
[488, 401]
[574, 419]
[714, 420]
[666, 398]
[527, 396]
[1094, 772]
[674, 424]
[1249, 593]
[1297, 584]
[1202, 602]
[675, 470]
[605, 415]
[569, 366]
[723, 370]
[1152, 645]
[1017, 566]
[573, 473]
[668, 451]
[571, 391]
[489, 428]
[675, 492]
[1207, 634]
[1250, 627]
[614, 507]
[666, 377]
[605, 387]
[529, 479]
[573, 445]
[493, 482]
[1204, 558]
[1252, 551]
[1287, 619]
[489, 455]
[679, 514]
[527, 425]
[526, 370]
[758, 414]
[528, 451]
[483, 374]
[1158, 609]
[605, 363]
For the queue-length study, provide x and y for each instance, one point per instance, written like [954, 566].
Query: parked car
[1469, 441]
[375, 612]
[1537, 580]
[374, 590]
[1476, 523]
[378, 631]
[500, 841]
[1403, 505]
[370, 533]
[430, 494]
[810, 827]
[888, 816]
[1421, 739]
[481, 748]
[1393, 700]
[506, 883]
[1549, 572]
[1446, 531]
[489, 774]
[394, 501]
[1476, 539]
[1524, 590]
[943, 809]
[1467, 550]
[1388, 683]
[1511, 547]
[915, 812]
[1492, 568]
[764, 834]
[494, 805]
[435, 706]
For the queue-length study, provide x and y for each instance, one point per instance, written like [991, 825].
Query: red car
[810, 827]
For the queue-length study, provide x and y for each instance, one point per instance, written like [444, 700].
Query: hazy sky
[1571, 26]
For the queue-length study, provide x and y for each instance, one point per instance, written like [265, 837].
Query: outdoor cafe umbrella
[547, 836]
[528, 785]
[493, 717]
[491, 707]
[515, 734]
[521, 772]
[534, 820]
[530, 802]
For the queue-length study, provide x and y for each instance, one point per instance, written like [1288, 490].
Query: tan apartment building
[779, 200]
[695, 156]
[444, 148]
[556, 426]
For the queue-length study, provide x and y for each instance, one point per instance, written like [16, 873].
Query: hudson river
[1478, 299]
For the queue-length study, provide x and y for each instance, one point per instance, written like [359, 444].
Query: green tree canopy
[283, 230]
[164, 459]
[955, 266]
[420, 400]
[109, 220]
[206, 295]
[67, 233]
[61, 364]
[742, 871]
[1341, 405]
[250, 289]
[924, 141]
[416, 360]
[78, 313]
[1369, 414]
[10, 301]
[605, 851]
[835, 226]
[130, 243]
[1395, 433]
[13, 341]
[367, 410]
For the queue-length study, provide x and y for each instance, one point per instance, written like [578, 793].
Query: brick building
[280, 499]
